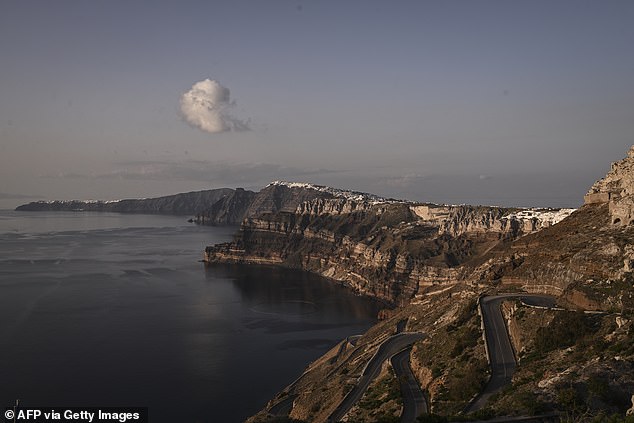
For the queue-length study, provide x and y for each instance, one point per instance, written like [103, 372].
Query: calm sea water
[102, 309]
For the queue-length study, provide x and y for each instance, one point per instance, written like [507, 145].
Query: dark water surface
[102, 309]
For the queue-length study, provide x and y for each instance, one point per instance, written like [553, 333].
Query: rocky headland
[389, 249]
[399, 251]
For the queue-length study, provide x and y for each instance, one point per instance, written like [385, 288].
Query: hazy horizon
[489, 102]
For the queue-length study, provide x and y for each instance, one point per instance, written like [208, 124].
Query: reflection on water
[290, 289]
[114, 316]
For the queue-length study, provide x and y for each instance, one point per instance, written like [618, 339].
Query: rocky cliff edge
[389, 249]
[617, 190]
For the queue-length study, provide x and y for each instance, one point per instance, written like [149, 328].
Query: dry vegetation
[576, 364]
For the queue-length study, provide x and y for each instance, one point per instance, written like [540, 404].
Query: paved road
[414, 403]
[502, 359]
[388, 348]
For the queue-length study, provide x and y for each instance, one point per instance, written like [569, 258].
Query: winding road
[390, 347]
[397, 348]
[414, 403]
[500, 352]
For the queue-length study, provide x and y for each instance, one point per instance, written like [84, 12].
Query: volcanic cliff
[389, 249]
[398, 250]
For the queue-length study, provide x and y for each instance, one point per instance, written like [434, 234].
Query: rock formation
[389, 249]
[399, 251]
[616, 189]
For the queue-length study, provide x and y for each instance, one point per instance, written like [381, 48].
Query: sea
[117, 310]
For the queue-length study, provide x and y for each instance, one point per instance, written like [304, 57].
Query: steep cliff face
[357, 248]
[332, 206]
[228, 210]
[509, 222]
[283, 197]
[388, 249]
[397, 251]
[277, 197]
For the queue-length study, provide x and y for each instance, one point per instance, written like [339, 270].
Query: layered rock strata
[387, 249]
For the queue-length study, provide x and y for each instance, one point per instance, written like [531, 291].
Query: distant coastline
[188, 203]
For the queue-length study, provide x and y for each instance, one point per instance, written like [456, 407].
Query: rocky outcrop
[616, 189]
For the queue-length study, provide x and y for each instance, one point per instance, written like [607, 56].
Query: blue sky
[495, 102]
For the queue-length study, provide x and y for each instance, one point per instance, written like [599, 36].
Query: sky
[513, 103]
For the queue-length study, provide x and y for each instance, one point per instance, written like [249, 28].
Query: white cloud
[207, 106]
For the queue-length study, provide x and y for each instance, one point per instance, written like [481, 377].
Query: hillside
[432, 263]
